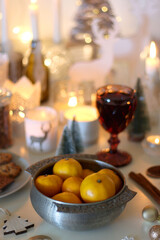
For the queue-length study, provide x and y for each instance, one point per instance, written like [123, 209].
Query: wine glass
[116, 105]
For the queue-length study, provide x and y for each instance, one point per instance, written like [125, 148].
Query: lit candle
[56, 21]
[87, 118]
[152, 62]
[65, 104]
[4, 21]
[41, 129]
[153, 141]
[34, 18]
[151, 145]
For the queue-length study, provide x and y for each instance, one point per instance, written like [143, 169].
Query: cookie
[5, 181]
[10, 170]
[5, 158]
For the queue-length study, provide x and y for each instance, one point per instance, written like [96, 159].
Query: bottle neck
[36, 49]
[34, 44]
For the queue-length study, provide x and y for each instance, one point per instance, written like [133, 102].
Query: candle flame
[47, 62]
[152, 50]
[33, 5]
[72, 101]
[26, 37]
[21, 114]
[33, 1]
[157, 141]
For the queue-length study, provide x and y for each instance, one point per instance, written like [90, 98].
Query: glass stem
[113, 141]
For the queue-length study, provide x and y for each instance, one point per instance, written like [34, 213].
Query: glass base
[118, 159]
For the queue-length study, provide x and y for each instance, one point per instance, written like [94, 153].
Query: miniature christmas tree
[87, 12]
[76, 135]
[140, 124]
[66, 144]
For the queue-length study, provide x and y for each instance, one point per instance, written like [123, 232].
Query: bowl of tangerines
[78, 192]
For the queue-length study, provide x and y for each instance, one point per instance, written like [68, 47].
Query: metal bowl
[83, 216]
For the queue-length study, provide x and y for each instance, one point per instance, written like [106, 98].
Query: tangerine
[72, 184]
[67, 167]
[67, 197]
[86, 172]
[49, 185]
[97, 187]
[113, 176]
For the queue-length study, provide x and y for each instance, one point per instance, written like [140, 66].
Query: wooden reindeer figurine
[97, 69]
[40, 140]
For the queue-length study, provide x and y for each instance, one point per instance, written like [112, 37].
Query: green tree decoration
[88, 11]
[66, 144]
[76, 136]
[140, 123]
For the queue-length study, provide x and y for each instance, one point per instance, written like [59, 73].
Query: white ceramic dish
[19, 181]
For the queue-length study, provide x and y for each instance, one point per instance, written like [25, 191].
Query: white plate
[19, 181]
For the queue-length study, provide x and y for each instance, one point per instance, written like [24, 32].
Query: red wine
[116, 108]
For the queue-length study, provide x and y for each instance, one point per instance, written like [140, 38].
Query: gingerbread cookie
[5, 158]
[10, 170]
[5, 181]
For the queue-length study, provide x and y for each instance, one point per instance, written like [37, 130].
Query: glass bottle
[5, 122]
[37, 71]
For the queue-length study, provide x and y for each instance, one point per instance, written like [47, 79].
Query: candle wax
[82, 114]
[34, 20]
[152, 65]
[152, 62]
[56, 21]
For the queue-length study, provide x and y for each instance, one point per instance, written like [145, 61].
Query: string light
[96, 11]
[106, 36]
[104, 9]
[119, 19]
[16, 30]
[47, 62]
[11, 113]
[78, 2]
[21, 108]
[87, 38]
[21, 114]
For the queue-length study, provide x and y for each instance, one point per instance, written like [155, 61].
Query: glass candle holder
[5, 123]
[41, 129]
[151, 145]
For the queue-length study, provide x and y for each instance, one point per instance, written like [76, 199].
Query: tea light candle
[34, 18]
[87, 117]
[41, 129]
[153, 141]
[152, 62]
[152, 144]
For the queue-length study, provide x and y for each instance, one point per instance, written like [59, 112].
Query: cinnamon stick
[147, 185]
[150, 184]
